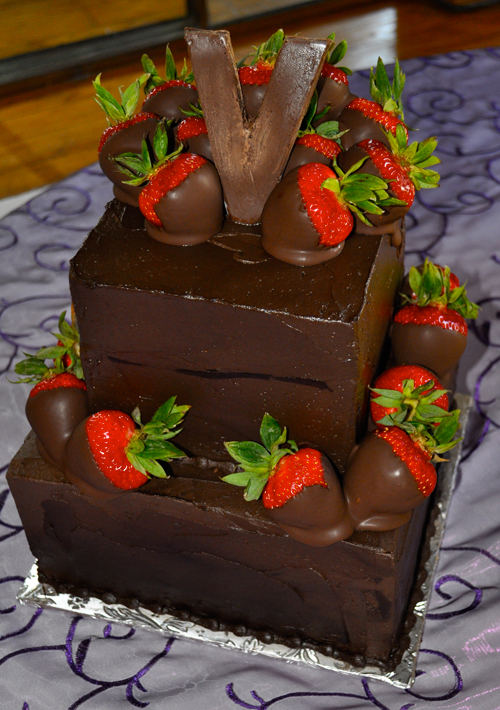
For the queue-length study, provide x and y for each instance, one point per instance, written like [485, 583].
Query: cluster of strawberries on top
[392, 470]
[351, 162]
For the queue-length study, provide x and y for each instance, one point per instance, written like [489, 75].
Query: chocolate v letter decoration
[250, 156]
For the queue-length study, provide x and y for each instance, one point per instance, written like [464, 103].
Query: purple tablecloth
[53, 661]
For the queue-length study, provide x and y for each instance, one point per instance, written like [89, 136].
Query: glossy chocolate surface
[253, 96]
[431, 346]
[302, 155]
[127, 140]
[201, 535]
[54, 414]
[192, 212]
[360, 127]
[334, 94]
[317, 516]
[247, 168]
[233, 333]
[379, 488]
[169, 102]
[201, 146]
[287, 232]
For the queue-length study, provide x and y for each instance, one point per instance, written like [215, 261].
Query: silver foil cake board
[35, 593]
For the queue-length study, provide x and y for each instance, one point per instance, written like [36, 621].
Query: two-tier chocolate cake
[236, 320]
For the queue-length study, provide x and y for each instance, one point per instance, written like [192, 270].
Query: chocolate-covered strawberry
[124, 134]
[309, 213]
[299, 488]
[315, 145]
[182, 200]
[407, 393]
[58, 401]
[367, 118]
[255, 76]
[193, 134]
[392, 472]
[404, 167]
[168, 97]
[110, 452]
[431, 329]
[333, 84]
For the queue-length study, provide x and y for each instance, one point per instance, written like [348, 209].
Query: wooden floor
[51, 131]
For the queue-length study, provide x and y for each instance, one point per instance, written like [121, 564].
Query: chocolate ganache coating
[201, 146]
[192, 212]
[379, 488]
[253, 96]
[430, 346]
[287, 232]
[169, 102]
[316, 516]
[126, 140]
[54, 414]
[334, 94]
[302, 155]
[360, 127]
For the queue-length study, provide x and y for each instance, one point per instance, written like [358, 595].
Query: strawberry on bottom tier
[379, 488]
[317, 515]
[81, 469]
[430, 346]
[54, 414]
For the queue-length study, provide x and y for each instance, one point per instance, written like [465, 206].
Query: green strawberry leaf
[247, 452]
[255, 487]
[153, 468]
[270, 431]
[448, 427]
[238, 479]
[170, 68]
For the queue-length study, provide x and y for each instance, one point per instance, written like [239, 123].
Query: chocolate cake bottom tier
[196, 549]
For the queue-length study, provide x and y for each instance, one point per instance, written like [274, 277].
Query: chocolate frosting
[317, 516]
[360, 127]
[126, 140]
[380, 490]
[192, 212]
[430, 346]
[54, 414]
[302, 155]
[248, 169]
[287, 231]
[169, 102]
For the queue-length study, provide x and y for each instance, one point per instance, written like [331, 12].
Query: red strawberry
[333, 84]
[315, 145]
[182, 202]
[255, 77]
[431, 330]
[374, 118]
[55, 406]
[299, 488]
[168, 97]
[108, 453]
[124, 135]
[407, 393]
[390, 473]
[330, 197]
[192, 133]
